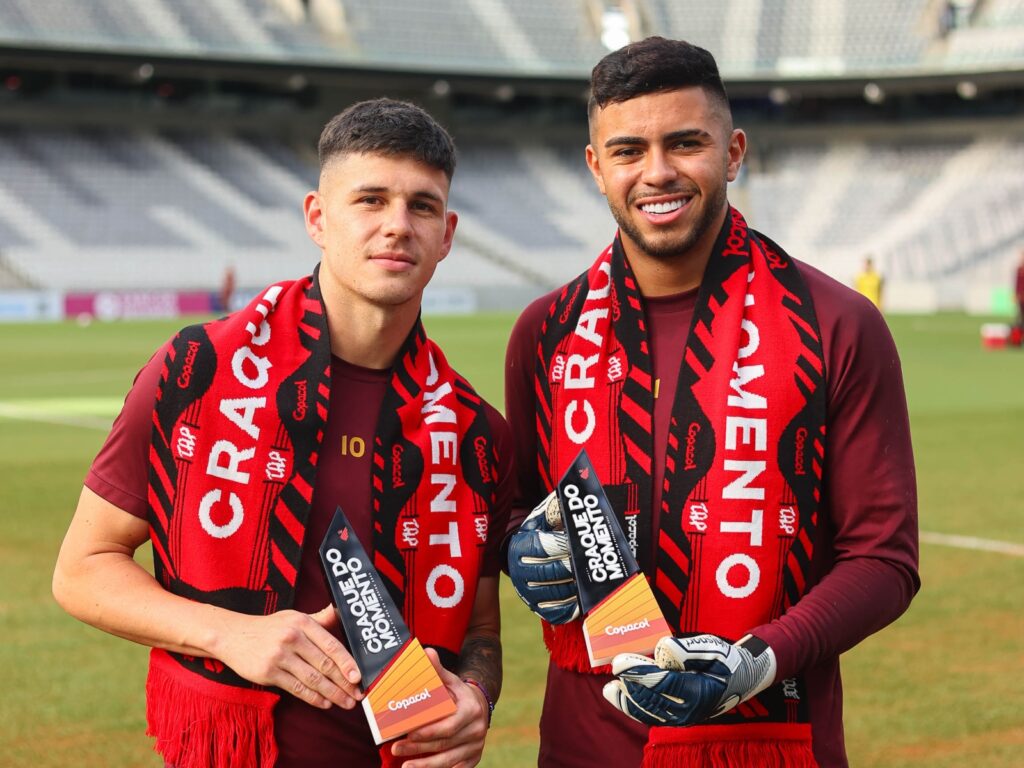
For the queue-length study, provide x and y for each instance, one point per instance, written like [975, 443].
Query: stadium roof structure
[752, 39]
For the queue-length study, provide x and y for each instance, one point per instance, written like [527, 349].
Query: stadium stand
[483, 35]
[928, 209]
[135, 209]
[91, 210]
[167, 202]
[978, 217]
[253, 28]
[527, 36]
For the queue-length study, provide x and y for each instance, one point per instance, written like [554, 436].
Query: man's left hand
[457, 741]
[690, 679]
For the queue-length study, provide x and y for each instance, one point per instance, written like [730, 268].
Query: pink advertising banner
[118, 305]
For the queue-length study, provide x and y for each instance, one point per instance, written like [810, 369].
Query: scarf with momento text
[237, 432]
[742, 483]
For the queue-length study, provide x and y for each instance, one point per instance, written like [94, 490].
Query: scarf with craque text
[237, 431]
[742, 482]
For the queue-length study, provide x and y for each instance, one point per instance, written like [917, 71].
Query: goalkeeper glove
[690, 679]
[539, 566]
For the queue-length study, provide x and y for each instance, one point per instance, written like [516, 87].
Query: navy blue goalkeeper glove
[690, 679]
[539, 566]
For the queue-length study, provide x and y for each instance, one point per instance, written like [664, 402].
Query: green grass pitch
[940, 688]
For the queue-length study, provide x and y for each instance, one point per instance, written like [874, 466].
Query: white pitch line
[24, 414]
[973, 542]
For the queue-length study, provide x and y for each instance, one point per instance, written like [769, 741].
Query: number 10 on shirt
[353, 446]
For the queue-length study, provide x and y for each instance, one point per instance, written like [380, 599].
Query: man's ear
[451, 220]
[595, 167]
[312, 209]
[737, 150]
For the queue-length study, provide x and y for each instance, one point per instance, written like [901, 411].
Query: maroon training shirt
[865, 558]
[307, 737]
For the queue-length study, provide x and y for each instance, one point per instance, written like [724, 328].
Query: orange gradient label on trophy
[407, 694]
[620, 613]
[627, 621]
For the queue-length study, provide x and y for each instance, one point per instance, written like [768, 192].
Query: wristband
[487, 696]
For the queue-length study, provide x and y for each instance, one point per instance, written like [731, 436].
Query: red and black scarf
[237, 432]
[742, 485]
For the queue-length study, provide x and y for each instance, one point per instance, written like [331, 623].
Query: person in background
[746, 416]
[227, 288]
[242, 436]
[1018, 289]
[869, 283]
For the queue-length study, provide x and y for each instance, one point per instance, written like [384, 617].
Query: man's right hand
[97, 580]
[539, 565]
[294, 652]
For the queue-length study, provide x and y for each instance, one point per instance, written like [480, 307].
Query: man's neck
[367, 335]
[659, 277]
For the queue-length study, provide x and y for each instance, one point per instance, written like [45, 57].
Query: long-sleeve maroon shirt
[864, 571]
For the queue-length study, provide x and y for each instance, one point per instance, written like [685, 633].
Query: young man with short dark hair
[242, 436]
[746, 416]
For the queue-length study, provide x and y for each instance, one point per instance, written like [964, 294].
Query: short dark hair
[388, 127]
[653, 65]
